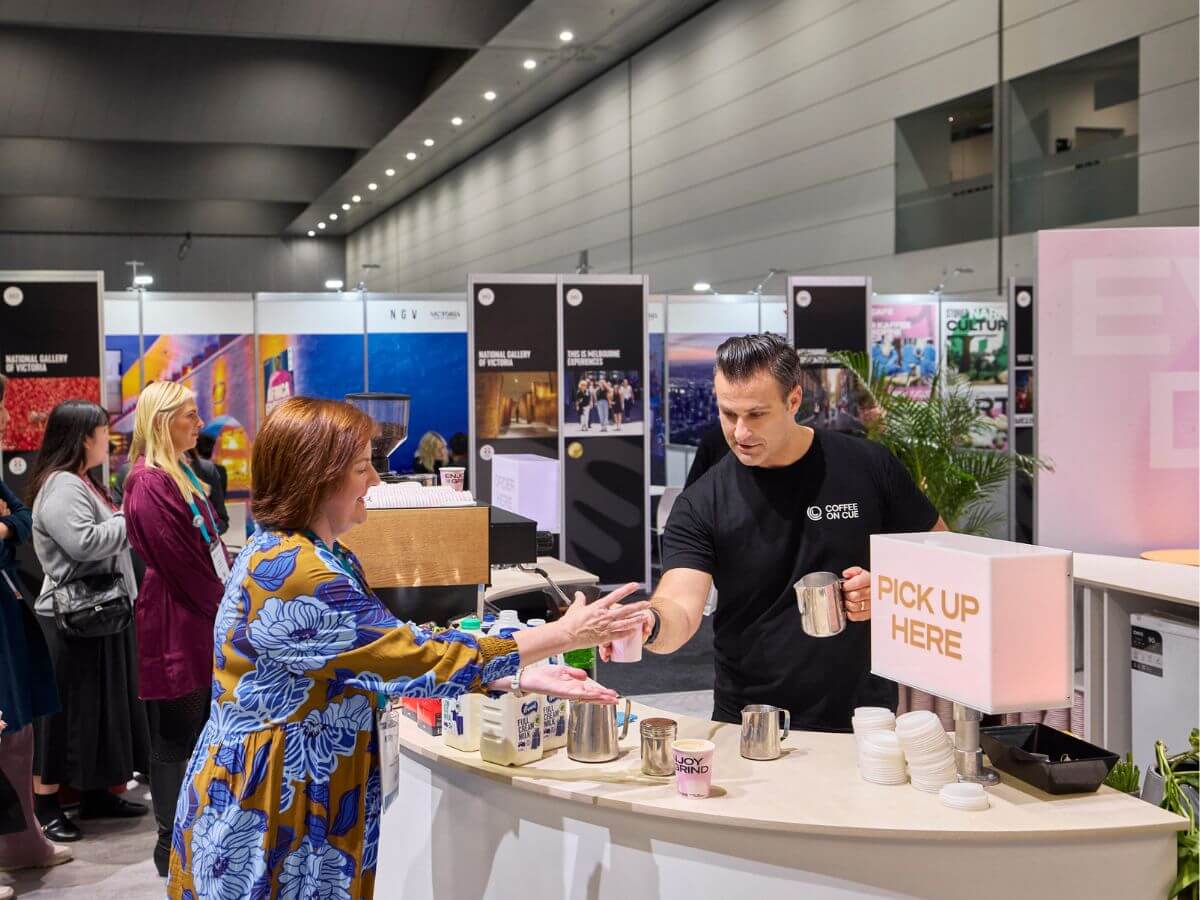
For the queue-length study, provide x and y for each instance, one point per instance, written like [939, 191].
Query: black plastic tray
[1020, 750]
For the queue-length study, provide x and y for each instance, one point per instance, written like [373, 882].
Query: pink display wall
[1119, 388]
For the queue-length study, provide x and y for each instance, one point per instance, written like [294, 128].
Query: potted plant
[938, 440]
[1172, 783]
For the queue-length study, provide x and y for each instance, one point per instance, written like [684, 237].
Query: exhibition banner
[603, 430]
[50, 351]
[51, 336]
[904, 342]
[1118, 362]
[975, 346]
[513, 362]
[828, 313]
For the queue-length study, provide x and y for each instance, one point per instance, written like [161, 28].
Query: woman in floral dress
[282, 795]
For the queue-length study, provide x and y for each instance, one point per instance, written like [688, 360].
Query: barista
[786, 501]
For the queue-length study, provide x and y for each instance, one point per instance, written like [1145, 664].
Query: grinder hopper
[390, 413]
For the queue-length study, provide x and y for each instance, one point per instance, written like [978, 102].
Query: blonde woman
[174, 529]
[432, 453]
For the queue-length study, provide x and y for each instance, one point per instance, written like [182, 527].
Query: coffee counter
[561, 829]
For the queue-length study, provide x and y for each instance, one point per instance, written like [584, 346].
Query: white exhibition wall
[1118, 387]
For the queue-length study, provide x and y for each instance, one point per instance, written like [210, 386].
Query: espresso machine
[390, 413]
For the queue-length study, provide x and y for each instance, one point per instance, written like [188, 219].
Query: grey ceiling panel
[429, 23]
[112, 86]
[80, 215]
[47, 167]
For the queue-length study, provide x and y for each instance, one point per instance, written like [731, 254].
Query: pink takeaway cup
[693, 766]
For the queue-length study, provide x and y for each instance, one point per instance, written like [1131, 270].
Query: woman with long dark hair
[100, 737]
[26, 690]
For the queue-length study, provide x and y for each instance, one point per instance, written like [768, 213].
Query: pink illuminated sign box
[982, 622]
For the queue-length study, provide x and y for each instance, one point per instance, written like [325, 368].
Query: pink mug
[628, 647]
[693, 766]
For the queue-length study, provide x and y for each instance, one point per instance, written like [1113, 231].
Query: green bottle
[582, 659]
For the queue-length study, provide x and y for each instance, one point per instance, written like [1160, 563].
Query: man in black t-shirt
[786, 501]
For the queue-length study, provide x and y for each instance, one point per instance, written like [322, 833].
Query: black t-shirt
[757, 531]
[712, 449]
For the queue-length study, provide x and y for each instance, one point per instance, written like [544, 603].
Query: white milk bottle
[507, 623]
[462, 716]
[554, 709]
[511, 729]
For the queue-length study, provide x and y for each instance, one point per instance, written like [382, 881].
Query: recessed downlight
[530, 64]
[410, 156]
[489, 96]
[456, 121]
[357, 198]
[333, 217]
[566, 36]
[311, 233]
[321, 225]
[389, 172]
[346, 207]
[701, 287]
[428, 142]
[372, 186]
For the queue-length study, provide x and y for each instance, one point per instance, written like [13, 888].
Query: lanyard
[197, 518]
[347, 567]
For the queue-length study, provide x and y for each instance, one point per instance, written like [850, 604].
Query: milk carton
[511, 730]
[554, 709]
[462, 719]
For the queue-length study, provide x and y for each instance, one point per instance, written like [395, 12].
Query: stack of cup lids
[965, 795]
[868, 719]
[928, 750]
[881, 758]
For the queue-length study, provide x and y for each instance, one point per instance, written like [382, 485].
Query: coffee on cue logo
[833, 512]
[925, 616]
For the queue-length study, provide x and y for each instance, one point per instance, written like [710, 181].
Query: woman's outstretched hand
[560, 681]
[588, 625]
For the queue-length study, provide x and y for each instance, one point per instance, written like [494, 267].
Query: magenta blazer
[177, 602]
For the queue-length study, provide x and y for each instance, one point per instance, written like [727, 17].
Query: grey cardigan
[75, 533]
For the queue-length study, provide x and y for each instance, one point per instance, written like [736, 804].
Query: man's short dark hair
[741, 358]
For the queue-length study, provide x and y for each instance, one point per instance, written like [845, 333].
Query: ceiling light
[428, 142]
[701, 287]
[372, 186]
[530, 64]
[321, 225]
[389, 172]
[949, 118]
[311, 233]
[456, 121]
[489, 96]
[357, 198]
[410, 156]
[333, 217]
[566, 36]
[346, 206]
[334, 284]
[143, 280]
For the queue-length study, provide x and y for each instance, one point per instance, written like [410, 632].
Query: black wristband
[657, 626]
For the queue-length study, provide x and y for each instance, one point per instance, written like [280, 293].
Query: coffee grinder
[390, 414]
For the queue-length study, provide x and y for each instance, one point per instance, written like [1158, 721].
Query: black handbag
[91, 606]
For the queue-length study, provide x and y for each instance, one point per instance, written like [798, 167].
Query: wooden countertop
[813, 788]
[1159, 580]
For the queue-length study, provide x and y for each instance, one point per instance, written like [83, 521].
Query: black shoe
[103, 805]
[162, 855]
[62, 831]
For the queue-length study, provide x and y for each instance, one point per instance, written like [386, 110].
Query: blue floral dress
[282, 796]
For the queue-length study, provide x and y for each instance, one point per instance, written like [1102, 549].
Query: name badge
[216, 550]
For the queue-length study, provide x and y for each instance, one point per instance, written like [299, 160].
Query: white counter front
[804, 825]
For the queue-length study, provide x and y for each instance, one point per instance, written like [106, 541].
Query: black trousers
[175, 726]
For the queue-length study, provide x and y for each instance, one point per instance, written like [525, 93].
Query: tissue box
[527, 485]
[982, 622]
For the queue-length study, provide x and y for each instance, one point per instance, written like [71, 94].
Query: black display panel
[829, 317]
